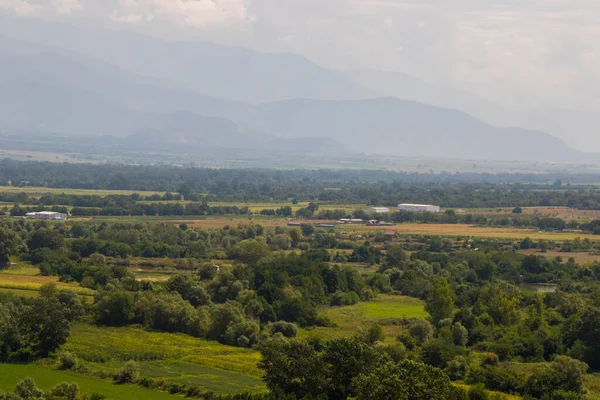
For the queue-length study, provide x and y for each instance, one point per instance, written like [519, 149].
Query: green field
[46, 378]
[351, 320]
[38, 191]
[175, 358]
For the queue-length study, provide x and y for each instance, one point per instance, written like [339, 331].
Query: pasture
[385, 310]
[46, 378]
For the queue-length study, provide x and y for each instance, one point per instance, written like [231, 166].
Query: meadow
[174, 358]
[46, 378]
[385, 310]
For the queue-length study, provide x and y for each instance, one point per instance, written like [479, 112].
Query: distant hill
[49, 90]
[222, 71]
[579, 129]
[401, 127]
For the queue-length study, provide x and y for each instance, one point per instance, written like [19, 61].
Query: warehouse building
[418, 208]
[47, 215]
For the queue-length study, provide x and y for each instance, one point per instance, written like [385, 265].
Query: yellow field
[25, 277]
[471, 230]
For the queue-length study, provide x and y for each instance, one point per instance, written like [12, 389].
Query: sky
[515, 52]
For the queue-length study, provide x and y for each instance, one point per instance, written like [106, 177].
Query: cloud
[513, 51]
[21, 8]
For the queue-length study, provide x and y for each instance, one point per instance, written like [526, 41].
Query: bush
[287, 329]
[130, 373]
[67, 360]
[478, 392]
[65, 391]
[491, 359]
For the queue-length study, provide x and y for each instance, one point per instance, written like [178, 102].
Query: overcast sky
[535, 52]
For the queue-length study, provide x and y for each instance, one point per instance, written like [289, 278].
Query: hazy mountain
[401, 127]
[222, 71]
[577, 128]
[44, 89]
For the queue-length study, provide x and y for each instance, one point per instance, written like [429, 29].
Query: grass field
[46, 378]
[174, 358]
[351, 320]
[38, 191]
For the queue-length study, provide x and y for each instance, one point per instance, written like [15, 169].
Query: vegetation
[264, 311]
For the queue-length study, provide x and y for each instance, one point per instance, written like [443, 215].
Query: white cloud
[22, 8]
[66, 7]
[510, 50]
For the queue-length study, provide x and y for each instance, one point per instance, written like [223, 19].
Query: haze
[529, 64]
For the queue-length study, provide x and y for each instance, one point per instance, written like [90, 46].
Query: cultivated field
[39, 191]
[471, 230]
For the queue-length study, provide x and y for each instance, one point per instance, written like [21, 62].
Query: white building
[47, 215]
[418, 208]
[378, 210]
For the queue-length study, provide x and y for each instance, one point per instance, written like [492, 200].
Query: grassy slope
[46, 378]
[173, 357]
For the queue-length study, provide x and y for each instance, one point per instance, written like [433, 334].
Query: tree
[421, 330]
[45, 238]
[395, 256]
[116, 308]
[440, 304]
[293, 367]
[406, 380]
[307, 229]
[9, 243]
[250, 251]
[563, 374]
[347, 358]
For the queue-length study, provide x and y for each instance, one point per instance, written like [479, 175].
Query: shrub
[491, 359]
[478, 392]
[130, 373]
[26, 389]
[67, 360]
[287, 329]
[65, 391]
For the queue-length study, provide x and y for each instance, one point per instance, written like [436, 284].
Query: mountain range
[193, 95]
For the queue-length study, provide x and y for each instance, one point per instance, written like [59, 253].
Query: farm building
[378, 210]
[418, 208]
[47, 215]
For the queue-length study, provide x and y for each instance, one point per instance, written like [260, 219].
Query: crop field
[38, 191]
[46, 378]
[471, 230]
[174, 358]
[385, 310]
[580, 258]
[21, 278]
